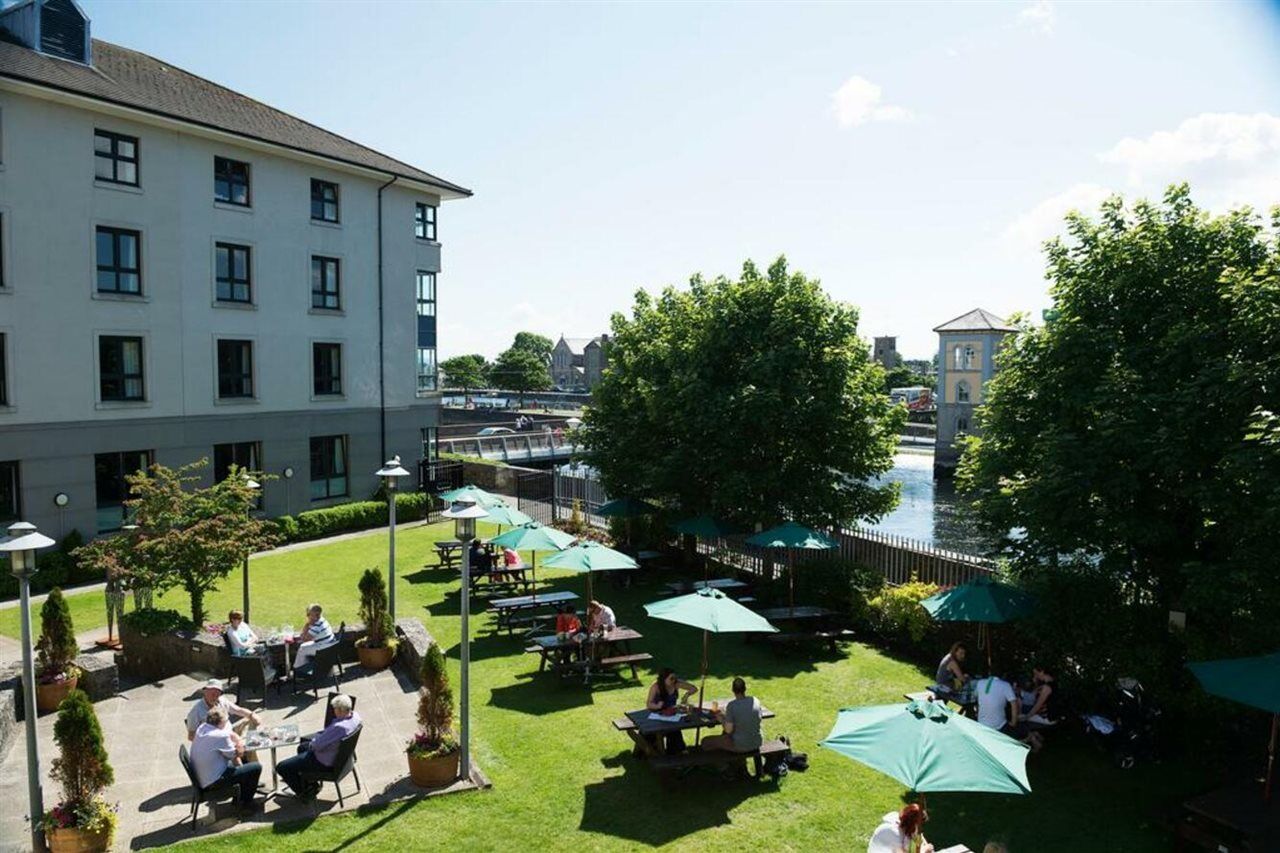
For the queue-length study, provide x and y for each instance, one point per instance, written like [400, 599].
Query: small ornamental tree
[373, 609]
[82, 769]
[57, 645]
[435, 709]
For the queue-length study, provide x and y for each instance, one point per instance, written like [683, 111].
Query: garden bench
[830, 637]
[626, 660]
[716, 757]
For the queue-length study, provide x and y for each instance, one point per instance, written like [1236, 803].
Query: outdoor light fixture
[391, 473]
[61, 499]
[288, 473]
[21, 545]
[464, 512]
[256, 486]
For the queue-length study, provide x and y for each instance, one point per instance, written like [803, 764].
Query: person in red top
[567, 621]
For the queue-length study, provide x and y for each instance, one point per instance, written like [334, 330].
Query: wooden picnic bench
[809, 624]
[725, 585]
[568, 657]
[637, 724]
[448, 553]
[524, 609]
[692, 758]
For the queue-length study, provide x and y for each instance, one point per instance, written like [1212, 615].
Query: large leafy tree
[522, 371]
[539, 345]
[184, 535]
[1135, 429]
[466, 371]
[752, 399]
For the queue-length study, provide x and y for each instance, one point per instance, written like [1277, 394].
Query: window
[426, 369]
[962, 391]
[10, 493]
[235, 369]
[962, 425]
[120, 369]
[245, 454]
[326, 374]
[119, 265]
[110, 486]
[965, 357]
[424, 221]
[233, 276]
[324, 201]
[426, 294]
[328, 467]
[115, 157]
[230, 181]
[324, 283]
[4, 372]
[430, 444]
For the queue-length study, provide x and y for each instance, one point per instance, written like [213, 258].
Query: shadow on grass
[539, 695]
[431, 574]
[702, 800]
[488, 646]
[295, 827]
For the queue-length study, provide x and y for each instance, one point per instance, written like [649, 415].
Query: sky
[911, 156]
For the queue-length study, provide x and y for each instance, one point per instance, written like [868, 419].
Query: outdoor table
[548, 647]
[284, 650]
[273, 739]
[1236, 814]
[799, 613]
[449, 552]
[722, 584]
[506, 608]
[966, 700]
[519, 577]
[639, 725]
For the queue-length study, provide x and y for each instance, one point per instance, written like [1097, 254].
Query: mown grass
[562, 776]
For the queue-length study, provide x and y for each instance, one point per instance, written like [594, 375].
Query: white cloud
[858, 101]
[1039, 16]
[1045, 220]
[1231, 139]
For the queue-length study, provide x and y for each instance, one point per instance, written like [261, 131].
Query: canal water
[929, 510]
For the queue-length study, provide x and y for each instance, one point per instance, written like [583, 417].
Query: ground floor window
[328, 467]
[110, 487]
[430, 447]
[10, 493]
[426, 369]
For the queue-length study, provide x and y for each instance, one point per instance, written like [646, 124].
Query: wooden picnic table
[1235, 817]
[640, 725]
[799, 613]
[507, 608]
[592, 657]
[811, 623]
[449, 553]
[723, 584]
[514, 578]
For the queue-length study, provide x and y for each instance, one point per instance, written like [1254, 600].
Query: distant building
[885, 351]
[578, 363]
[966, 361]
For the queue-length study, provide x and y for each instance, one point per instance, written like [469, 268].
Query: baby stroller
[1126, 725]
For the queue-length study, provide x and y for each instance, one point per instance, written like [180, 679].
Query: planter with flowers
[377, 648]
[57, 675]
[83, 822]
[434, 751]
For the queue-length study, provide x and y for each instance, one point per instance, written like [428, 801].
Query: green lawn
[561, 774]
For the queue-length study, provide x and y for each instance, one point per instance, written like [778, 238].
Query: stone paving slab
[144, 726]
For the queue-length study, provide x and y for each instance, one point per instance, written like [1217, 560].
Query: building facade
[186, 273]
[967, 347]
[884, 350]
[578, 363]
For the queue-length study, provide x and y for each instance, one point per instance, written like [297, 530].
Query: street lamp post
[390, 473]
[21, 545]
[464, 513]
[255, 486]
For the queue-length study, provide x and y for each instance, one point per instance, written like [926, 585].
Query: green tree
[904, 377]
[539, 345]
[466, 371]
[522, 371]
[1134, 429]
[752, 399]
[374, 609]
[81, 766]
[57, 645]
[186, 536]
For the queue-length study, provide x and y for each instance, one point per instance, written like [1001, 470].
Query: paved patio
[144, 726]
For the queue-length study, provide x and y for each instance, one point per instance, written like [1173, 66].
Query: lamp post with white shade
[464, 512]
[255, 485]
[390, 474]
[21, 545]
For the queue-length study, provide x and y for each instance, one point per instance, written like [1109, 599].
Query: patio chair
[219, 790]
[254, 673]
[343, 765]
[320, 669]
[328, 716]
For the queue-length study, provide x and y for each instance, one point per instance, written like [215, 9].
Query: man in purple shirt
[320, 752]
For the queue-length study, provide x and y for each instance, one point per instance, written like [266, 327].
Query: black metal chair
[320, 669]
[343, 765]
[328, 716]
[220, 790]
[254, 673]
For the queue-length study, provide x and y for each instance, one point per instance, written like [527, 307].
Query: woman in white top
[243, 641]
[901, 832]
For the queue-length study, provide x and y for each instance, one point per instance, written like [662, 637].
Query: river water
[929, 510]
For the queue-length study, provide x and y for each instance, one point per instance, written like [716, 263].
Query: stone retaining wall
[414, 642]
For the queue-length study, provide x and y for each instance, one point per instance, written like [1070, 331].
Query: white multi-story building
[186, 272]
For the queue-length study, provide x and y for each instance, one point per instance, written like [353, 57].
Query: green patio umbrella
[626, 508]
[704, 527]
[982, 600]
[475, 494]
[792, 537]
[534, 537]
[713, 612]
[1253, 681]
[505, 515]
[590, 557]
[930, 748]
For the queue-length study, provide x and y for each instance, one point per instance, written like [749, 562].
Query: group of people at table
[739, 719]
[1018, 707]
[499, 564]
[316, 634]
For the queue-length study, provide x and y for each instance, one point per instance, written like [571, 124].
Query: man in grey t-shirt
[741, 719]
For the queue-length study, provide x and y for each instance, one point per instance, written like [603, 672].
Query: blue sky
[911, 156]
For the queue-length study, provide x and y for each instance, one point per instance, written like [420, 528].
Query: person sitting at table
[316, 634]
[244, 642]
[217, 753]
[664, 696]
[320, 752]
[212, 696]
[741, 721]
[511, 560]
[901, 832]
[567, 621]
[951, 674]
[1038, 703]
[999, 709]
[600, 618]
[481, 558]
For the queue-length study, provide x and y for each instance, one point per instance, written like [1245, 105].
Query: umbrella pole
[702, 691]
[791, 581]
[987, 627]
[1271, 757]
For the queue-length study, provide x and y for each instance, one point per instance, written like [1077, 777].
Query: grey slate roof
[577, 345]
[977, 320]
[132, 79]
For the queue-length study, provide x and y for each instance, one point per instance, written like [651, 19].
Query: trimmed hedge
[357, 515]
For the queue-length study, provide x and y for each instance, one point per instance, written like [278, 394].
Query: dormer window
[54, 27]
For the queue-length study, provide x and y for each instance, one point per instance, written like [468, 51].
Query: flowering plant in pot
[57, 674]
[434, 751]
[378, 646]
[83, 821]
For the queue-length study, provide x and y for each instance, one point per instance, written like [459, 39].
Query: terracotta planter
[73, 840]
[375, 659]
[435, 771]
[49, 696]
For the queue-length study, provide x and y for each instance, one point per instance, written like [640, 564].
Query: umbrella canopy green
[703, 525]
[792, 536]
[505, 515]
[930, 748]
[626, 508]
[712, 611]
[1253, 681]
[590, 557]
[981, 600]
[534, 537]
[472, 493]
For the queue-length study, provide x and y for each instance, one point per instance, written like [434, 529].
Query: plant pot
[375, 659]
[50, 696]
[434, 771]
[75, 840]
